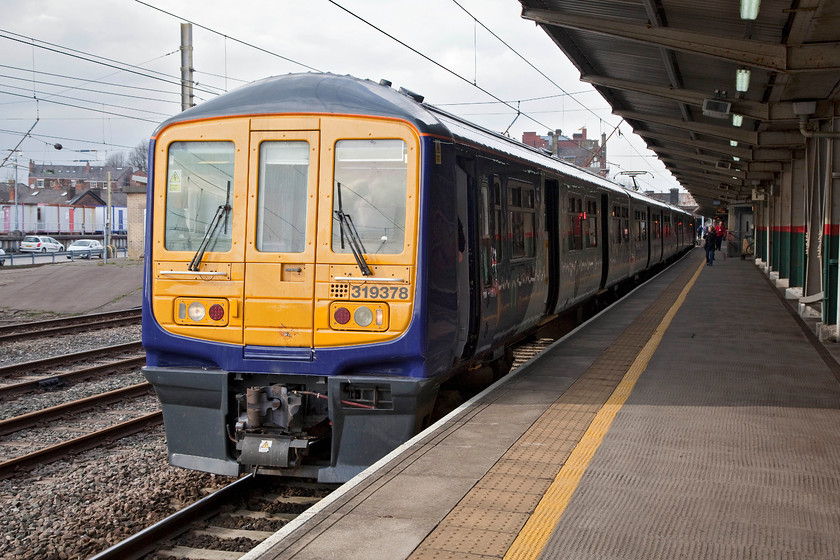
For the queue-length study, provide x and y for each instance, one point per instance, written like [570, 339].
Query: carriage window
[282, 196]
[199, 184]
[625, 223]
[371, 179]
[616, 233]
[590, 224]
[575, 217]
[641, 225]
[487, 273]
[522, 224]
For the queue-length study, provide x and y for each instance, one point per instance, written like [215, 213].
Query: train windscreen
[199, 182]
[371, 178]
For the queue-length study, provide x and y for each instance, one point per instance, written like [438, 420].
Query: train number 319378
[378, 292]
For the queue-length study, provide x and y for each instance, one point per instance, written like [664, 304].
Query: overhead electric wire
[542, 73]
[433, 61]
[111, 63]
[158, 90]
[515, 100]
[79, 88]
[220, 76]
[528, 62]
[65, 138]
[80, 107]
[61, 48]
[50, 95]
[240, 41]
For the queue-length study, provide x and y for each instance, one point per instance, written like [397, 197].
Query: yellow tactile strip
[491, 516]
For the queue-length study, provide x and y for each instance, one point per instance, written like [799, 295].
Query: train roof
[310, 93]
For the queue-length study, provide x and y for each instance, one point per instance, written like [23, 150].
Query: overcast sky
[106, 72]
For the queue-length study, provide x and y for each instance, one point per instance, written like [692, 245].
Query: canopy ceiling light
[749, 9]
[737, 120]
[742, 79]
[733, 143]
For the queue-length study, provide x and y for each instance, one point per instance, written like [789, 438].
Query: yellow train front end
[277, 267]
[280, 277]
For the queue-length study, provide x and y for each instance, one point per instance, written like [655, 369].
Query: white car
[85, 249]
[40, 244]
[2, 257]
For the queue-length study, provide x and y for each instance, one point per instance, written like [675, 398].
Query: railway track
[50, 380]
[92, 415]
[66, 325]
[97, 354]
[225, 524]
[79, 444]
[219, 528]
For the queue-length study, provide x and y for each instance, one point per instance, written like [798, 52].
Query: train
[324, 252]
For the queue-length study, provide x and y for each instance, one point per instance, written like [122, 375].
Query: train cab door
[280, 252]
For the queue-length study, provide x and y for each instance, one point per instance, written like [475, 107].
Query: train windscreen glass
[199, 181]
[371, 179]
[281, 208]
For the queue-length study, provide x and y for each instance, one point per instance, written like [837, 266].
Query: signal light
[342, 315]
[216, 312]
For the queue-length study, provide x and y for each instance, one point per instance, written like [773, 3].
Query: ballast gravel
[74, 509]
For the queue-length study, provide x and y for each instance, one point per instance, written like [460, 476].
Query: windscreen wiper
[348, 229]
[221, 213]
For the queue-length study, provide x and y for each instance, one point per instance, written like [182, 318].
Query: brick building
[579, 150]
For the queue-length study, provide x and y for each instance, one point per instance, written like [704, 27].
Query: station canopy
[720, 90]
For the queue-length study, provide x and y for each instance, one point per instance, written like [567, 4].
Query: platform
[696, 418]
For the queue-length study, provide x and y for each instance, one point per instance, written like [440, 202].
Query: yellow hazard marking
[534, 535]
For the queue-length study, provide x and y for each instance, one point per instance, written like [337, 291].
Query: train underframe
[324, 427]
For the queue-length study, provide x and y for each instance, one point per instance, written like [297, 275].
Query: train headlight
[196, 311]
[209, 312]
[363, 316]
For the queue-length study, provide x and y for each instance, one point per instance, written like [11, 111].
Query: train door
[468, 299]
[552, 225]
[605, 239]
[280, 253]
[489, 253]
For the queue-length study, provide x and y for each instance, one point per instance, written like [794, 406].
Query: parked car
[2, 257]
[39, 244]
[85, 249]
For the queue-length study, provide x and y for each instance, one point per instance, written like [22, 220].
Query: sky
[98, 76]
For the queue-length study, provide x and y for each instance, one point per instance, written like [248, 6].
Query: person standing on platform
[720, 233]
[711, 241]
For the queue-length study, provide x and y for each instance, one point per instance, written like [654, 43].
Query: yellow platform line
[535, 533]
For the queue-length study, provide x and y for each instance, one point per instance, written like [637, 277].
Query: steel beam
[820, 57]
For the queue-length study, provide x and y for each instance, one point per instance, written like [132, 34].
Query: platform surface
[693, 419]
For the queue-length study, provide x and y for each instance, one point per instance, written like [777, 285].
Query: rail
[148, 539]
[93, 321]
[27, 386]
[95, 354]
[81, 443]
